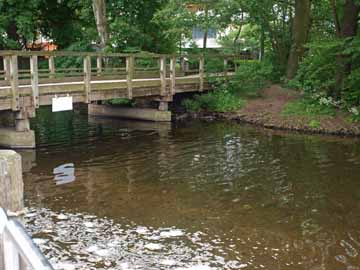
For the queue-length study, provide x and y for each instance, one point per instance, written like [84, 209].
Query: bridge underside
[20, 136]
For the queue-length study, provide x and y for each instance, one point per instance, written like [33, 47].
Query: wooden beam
[172, 74]
[98, 65]
[7, 72]
[14, 79]
[87, 78]
[130, 70]
[34, 80]
[163, 76]
[201, 72]
[52, 66]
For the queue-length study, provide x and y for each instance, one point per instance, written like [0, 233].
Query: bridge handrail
[104, 54]
[17, 249]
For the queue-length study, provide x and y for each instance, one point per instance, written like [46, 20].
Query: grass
[314, 123]
[304, 107]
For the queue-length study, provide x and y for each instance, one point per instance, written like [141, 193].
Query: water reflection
[251, 198]
[64, 174]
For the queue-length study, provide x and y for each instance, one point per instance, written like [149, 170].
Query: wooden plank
[21, 246]
[7, 69]
[98, 65]
[130, 69]
[163, 75]
[14, 79]
[87, 78]
[34, 80]
[201, 72]
[172, 75]
[11, 256]
[52, 67]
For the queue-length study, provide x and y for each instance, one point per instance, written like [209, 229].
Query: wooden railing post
[52, 67]
[172, 75]
[235, 64]
[14, 78]
[163, 75]
[7, 72]
[201, 72]
[225, 67]
[130, 61]
[34, 80]
[11, 182]
[87, 78]
[98, 65]
[182, 64]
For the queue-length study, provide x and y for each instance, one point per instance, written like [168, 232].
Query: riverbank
[269, 110]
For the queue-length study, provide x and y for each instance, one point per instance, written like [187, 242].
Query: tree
[18, 23]
[346, 29]
[99, 8]
[300, 32]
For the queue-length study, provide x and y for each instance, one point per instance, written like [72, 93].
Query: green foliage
[317, 74]
[252, 76]
[215, 101]
[122, 102]
[192, 105]
[18, 22]
[317, 71]
[314, 123]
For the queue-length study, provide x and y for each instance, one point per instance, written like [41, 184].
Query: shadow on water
[219, 195]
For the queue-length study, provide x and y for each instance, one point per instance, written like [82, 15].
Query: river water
[112, 194]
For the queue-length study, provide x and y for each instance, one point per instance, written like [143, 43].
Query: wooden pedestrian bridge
[31, 79]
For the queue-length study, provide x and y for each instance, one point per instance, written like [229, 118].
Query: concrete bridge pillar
[15, 129]
[163, 106]
[144, 114]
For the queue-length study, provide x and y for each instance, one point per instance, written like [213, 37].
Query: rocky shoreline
[266, 112]
[259, 122]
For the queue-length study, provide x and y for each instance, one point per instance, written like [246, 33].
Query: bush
[216, 101]
[252, 76]
[317, 71]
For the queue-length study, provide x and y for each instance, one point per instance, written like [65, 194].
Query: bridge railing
[17, 250]
[31, 69]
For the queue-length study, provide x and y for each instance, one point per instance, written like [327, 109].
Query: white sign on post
[60, 104]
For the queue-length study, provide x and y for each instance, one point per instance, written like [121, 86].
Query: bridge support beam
[144, 114]
[16, 132]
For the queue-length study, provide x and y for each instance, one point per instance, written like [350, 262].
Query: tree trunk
[99, 8]
[205, 39]
[347, 30]
[300, 33]
[206, 28]
[262, 44]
